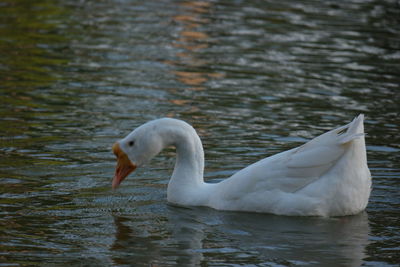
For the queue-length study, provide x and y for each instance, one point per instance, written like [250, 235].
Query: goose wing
[294, 169]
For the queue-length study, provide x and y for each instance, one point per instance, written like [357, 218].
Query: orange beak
[124, 166]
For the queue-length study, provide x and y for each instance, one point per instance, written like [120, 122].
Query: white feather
[327, 176]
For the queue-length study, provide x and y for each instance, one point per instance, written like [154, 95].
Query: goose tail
[355, 130]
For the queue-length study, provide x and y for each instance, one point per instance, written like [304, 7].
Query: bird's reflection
[193, 236]
[132, 246]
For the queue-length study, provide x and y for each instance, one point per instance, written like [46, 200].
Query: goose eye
[131, 143]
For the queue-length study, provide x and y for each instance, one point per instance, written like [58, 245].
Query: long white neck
[189, 165]
[186, 186]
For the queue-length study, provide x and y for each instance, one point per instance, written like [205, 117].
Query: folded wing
[292, 170]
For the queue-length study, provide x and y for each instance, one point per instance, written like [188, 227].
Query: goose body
[327, 176]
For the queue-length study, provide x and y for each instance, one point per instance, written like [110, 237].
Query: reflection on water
[193, 237]
[253, 78]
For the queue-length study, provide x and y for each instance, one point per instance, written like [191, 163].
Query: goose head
[136, 149]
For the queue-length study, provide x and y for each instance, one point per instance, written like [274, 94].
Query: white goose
[327, 176]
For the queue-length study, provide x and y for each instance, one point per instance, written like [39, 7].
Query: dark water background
[253, 77]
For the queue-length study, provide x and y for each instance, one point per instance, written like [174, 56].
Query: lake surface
[253, 77]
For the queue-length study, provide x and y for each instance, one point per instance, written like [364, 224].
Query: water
[253, 78]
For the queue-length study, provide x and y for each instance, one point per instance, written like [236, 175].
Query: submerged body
[327, 176]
